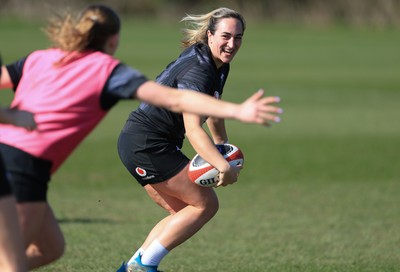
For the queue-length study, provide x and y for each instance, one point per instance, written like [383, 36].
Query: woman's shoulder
[203, 52]
[199, 52]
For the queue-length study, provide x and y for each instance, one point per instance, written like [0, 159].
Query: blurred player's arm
[256, 109]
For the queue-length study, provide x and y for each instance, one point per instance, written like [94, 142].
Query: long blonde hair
[89, 31]
[200, 24]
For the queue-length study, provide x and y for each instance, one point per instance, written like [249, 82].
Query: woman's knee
[210, 206]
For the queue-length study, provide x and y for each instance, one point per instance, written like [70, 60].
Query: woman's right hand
[229, 176]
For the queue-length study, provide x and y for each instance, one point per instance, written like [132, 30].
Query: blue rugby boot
[137, 266]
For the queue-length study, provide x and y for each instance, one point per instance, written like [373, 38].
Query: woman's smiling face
[226, 40]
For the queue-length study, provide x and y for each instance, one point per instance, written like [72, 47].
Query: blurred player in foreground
[151, 141]
[70, 87]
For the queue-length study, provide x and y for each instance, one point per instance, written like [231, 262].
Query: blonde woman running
[150, 143]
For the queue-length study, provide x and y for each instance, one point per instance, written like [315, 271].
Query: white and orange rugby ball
[204, 174]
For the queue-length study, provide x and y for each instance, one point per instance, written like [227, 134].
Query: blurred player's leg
[42, 234]
[12, 254]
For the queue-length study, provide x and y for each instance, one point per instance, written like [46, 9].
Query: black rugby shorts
[150, 159]
[29, 176]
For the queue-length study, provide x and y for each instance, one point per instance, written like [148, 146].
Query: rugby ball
[204, 174]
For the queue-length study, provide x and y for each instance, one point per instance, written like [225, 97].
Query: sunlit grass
[319, 191]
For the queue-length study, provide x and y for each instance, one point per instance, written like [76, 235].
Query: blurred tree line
[316, 12]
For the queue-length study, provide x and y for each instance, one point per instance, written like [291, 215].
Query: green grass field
[319, 192]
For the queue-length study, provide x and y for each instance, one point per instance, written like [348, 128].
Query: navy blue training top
[194, 69]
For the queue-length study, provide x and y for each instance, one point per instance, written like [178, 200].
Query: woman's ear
[209, 35]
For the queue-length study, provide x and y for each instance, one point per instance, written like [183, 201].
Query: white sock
[139, 251]
[154, 253]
